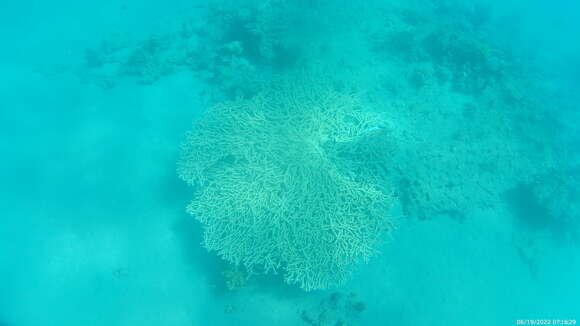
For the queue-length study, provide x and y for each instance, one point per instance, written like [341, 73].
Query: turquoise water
[480, 102]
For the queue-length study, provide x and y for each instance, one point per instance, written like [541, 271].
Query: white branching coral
[291, 180]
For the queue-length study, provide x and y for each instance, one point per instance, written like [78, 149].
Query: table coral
[292, 179]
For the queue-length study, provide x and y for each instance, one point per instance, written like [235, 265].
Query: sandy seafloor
[93, 226]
